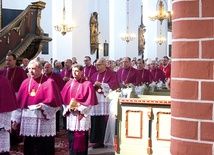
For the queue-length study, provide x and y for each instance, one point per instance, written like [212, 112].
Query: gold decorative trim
[17, 20]
[145, 101]
[8, 39]
[150, 117]
[38, 5]
[133, 131]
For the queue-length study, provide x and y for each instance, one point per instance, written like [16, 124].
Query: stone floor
[100, 151]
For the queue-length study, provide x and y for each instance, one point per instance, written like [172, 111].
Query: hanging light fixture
[161, 13]
[127, 36]
[160, 40]
[64, 27]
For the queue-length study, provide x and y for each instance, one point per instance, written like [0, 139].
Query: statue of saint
[94, 28]
[141, 40]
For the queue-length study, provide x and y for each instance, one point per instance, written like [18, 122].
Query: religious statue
[141, 40]
[94, 40]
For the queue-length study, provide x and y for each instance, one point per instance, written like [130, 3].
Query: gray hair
[103, 60]
[38, 63]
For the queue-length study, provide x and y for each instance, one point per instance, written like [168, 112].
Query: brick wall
[192, 87]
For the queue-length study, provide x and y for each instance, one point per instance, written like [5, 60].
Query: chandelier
[161, 14]
[127, 36]
[64, 27]
[160, 40]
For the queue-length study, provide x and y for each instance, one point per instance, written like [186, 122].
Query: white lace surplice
[110, 127]
[73, 123]
[103, 107]
[5, 123]
[37, 123]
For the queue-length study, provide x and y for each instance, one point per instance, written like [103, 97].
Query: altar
[143, 125]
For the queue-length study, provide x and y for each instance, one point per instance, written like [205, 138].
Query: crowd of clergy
[37, 93]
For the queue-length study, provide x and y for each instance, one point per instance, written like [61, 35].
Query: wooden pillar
[192, 83]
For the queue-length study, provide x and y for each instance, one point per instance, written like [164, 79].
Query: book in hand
[33, 107]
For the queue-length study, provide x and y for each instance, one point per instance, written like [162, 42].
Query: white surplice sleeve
[16, 115]
[5, 122]
[48, 111]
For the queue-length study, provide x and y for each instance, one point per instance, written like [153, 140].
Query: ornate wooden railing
[23, 36]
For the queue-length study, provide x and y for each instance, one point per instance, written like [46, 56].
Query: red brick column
[192, 84]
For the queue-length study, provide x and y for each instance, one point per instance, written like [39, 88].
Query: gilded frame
[133, 131]
[163, 129]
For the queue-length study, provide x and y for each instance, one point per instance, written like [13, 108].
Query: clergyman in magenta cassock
[8, 103]
[78, 98]
[104, 81]
[39, 99]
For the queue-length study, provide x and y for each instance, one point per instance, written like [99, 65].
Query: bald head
[48, 68]
[101, 61]
[101, 65]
